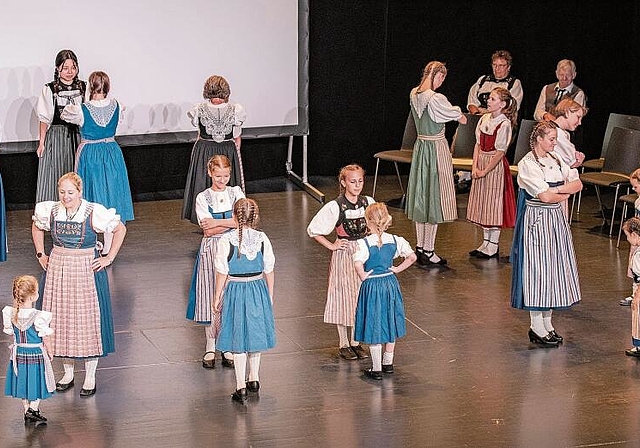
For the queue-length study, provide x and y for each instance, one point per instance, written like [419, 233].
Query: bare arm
[360, 270]
[411, 258]
[270, 278]
[497, 158]
[221, 280]
[41, 136]
[38, 241]
[340, 244]
[118, 237]
[560, 193]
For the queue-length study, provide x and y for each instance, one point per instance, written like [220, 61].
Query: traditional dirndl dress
[544, 267]
[78, 297]
[100, 162]
[29, 374]
[202, 289]
[216, 128]
[380, 312]
[3, 225]
[492, 197]
[61, 140]
[247, 315]
[347, 219]
[431, 192]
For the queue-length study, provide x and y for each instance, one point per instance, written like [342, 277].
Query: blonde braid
[24, 287]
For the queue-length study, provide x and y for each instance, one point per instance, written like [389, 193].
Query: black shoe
[34, 416]
[484, 256]
[209, 363]
[227, 362]
[359, 351]
[556, 336]
[62, 387]
[253, 386]
[545, 341]
[387, 368]
[635, 352]
[347, 353]
[373, 374]
[474, 253]
[428, 263]
[240, 395]
[84, 393]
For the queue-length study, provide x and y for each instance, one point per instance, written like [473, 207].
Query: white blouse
[41, 322]
[45, 107]
[488, 124]
[239, 113]
[403, 248]
[437, 105]
[324, 222]
[103, 219]
[564, 148]
[252, 241]
[533, 177]
[221, 201]
[73, 112]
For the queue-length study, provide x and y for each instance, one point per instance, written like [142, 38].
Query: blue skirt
[104, 174]
[380, 311]
[247, 318]
[30, 384]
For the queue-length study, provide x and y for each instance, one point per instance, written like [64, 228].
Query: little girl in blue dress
[380, 310]
[29, 374]
[244, 265]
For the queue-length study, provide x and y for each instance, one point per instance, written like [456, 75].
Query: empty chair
[623, 156]
[522, 144]
[464, 140]
[615, 120]
[402, 155]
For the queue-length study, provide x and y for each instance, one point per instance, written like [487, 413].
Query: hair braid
[24, 287]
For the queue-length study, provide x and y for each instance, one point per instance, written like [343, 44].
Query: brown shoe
[347, 353]
[360, 352]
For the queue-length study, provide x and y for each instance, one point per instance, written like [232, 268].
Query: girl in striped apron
[58, 139]
[345, 215]
[29, 374]
[76, 288]
[544, 269]
[492, 204]
[431, 195]
[244, 275]
[214, 207]
[380, 311]
[99, 160]
[634, 179]
[632, 230]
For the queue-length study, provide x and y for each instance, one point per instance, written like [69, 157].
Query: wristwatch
[39, 254]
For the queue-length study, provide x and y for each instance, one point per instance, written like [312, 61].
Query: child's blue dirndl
[380, 312]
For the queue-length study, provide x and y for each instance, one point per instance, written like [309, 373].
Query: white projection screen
[158, 55]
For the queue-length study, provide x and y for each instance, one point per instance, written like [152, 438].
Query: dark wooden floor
[466, 374]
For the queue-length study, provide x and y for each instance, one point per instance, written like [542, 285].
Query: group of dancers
[232, 289]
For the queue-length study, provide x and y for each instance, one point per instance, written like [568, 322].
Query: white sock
[494, 239]
[254, 366]
[68, 365]
[485, 240]
[108, 239]
[90, 366]
[354, 343]
[430, 231]
[376, 356]
[35, 404]
[537, 324]
[342, 334]
[228, 355]
[419, 234]
[25, 405]
[387, 358]
[211, 343]
[240, 367]
[546, 320]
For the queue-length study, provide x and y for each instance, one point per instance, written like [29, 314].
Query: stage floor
[466, 374]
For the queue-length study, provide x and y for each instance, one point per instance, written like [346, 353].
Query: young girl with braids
[58, 139]
[214, 208]
[29, 374]
[544, 268]
[244, 265]
[380, 311]
[492, 203]
[345, 215]
[431, 197]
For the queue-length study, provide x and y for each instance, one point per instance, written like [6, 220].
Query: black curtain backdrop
[365, 56]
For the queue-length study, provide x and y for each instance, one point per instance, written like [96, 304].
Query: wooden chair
[627, 199]
[463, 142]
[623, 156]
[402, 155]
[522, 144]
